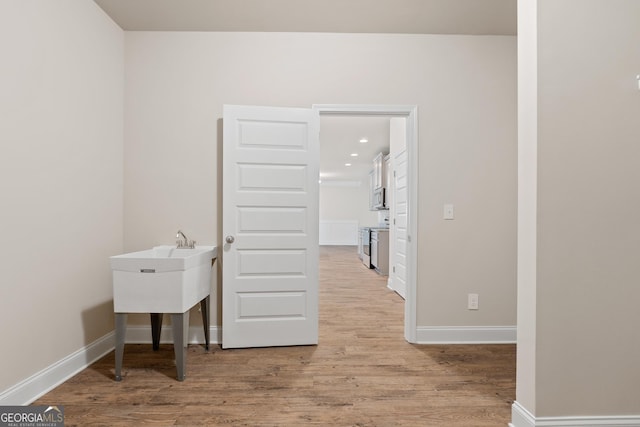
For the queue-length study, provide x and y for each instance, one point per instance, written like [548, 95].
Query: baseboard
[141, 334]
[466, 335]
[520, 417]
[49, 378]
[27, 391]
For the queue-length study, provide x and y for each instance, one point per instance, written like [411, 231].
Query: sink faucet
[184, 242]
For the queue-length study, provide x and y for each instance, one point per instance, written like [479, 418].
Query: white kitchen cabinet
[378, 182]
[378, 171]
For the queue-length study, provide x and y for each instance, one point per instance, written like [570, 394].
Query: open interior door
[270, 226]
[400, 223]
[400, 206]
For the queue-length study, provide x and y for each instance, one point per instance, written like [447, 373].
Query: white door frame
[410, 112]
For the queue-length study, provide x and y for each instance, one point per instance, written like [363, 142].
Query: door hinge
[394, 221]
[394, 268]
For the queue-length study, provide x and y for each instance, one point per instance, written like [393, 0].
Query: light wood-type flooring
[362, 373]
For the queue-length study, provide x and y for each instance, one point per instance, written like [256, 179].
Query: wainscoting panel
[340, 233]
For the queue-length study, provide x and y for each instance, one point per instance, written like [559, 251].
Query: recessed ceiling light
[364, 141]
[354, 154]
[347, 164]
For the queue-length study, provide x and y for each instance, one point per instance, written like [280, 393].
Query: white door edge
[270, 224]
[410, 112]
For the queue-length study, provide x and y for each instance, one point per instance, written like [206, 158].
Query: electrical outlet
[472, 302]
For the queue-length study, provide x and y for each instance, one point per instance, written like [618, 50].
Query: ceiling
[339, 136]
[478, 17]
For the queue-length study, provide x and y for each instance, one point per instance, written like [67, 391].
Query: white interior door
[270, 226]
[398, 231]
[400, 223]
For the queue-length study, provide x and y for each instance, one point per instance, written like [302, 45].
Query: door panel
[261, 305]
[266, 134]
[254, 177]
[270, 213]
[272, 262]
[272, 219]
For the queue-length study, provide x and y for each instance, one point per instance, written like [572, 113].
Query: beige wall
[588, 208]
[580, 333]
[464, 86]
[61, 142]
[468, 158]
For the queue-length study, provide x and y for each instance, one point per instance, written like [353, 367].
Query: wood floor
[362, 373]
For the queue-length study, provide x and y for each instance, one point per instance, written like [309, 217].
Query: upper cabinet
[378, 182]
[379, 171]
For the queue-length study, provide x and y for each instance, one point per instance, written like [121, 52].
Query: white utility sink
[164, 279]
[163, 258]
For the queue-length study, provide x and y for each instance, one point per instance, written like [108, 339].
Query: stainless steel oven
[366, 246]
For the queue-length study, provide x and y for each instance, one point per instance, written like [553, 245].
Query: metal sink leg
[177, 324]
[121, 329]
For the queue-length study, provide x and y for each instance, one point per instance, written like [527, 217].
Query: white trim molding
[49, 378]
[521, 417]
[466, 335]
[410, 112]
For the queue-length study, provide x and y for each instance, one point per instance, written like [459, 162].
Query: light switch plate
[472, 302]
[448, 211]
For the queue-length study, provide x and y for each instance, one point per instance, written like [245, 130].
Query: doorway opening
[409, 113]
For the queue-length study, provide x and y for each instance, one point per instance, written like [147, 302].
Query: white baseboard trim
[520, 417]
[30, 389]
[49, 378]
[466, 335]
[141, 334]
